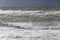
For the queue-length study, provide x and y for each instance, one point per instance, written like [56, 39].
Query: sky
[29, 3]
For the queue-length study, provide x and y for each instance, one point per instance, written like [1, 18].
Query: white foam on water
[8, 33]
[35, 26]
[22, 12]
[16, 11]
[11, 33]
[35, 12]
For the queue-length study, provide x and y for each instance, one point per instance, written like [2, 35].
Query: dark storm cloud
[29, 3]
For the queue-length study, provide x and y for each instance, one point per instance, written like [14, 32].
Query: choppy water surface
[30, 19]
[29, 25]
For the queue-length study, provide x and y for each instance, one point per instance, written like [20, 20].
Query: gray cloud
[29, 3]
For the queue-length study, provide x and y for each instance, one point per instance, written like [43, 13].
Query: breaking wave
[30, 19]
[17, 11]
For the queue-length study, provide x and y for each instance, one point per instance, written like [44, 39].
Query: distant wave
[21, 12]
[31, 25]
[30, 19]
[17, 11]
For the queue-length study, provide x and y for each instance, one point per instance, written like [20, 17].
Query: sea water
[30, 19]
[29, 25]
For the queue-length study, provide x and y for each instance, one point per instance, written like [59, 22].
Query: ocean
[29, 24]
[33, 18]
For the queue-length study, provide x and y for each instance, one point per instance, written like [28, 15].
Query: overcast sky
[29, 3]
